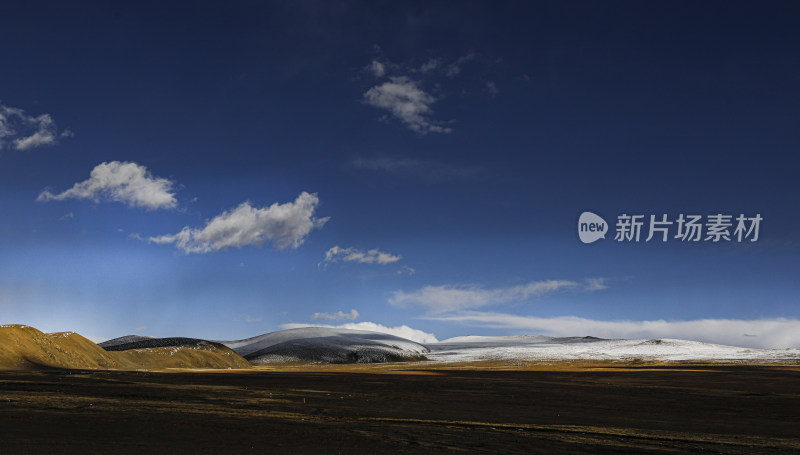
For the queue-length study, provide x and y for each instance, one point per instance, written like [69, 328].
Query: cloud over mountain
[402, 331]
[760, 333]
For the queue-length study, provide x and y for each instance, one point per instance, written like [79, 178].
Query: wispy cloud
[403, 93]
[596, 284]
[374, 256]
[430, 65]
[454, 69]
[491, 89]
[250, 320]
[406, 101]
[27, 132]
[339, 315]
[425, 169]
[447, 298]
[141, 328]
[125, 182]
[402, 331]
[406, 270]
[283, 225]
[761, 333]
[377, 68]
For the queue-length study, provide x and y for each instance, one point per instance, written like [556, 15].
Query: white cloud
[373, 256]
[377, 68]
[283, 225]
[339, 315]
[402, 331]
[441, 299]
[141, 329]
[760, 333]
[403, 98]
[125, 182]
[27, 132]
[45, 134]
[251, 320]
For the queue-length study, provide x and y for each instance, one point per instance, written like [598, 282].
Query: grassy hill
[26, 348]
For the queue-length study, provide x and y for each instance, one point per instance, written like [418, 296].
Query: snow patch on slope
[537, 347]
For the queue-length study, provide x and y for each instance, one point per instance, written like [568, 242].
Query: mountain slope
[122, 340]
[129, 342]
[331, 345]
[25, 348]
[174, 352]
[209, 355]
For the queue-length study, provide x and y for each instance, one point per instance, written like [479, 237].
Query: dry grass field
[422, 407]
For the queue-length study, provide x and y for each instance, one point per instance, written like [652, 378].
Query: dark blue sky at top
[557, 108]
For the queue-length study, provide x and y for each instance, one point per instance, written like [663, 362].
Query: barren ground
[407, 408]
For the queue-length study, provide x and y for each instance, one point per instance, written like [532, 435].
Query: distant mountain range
[310, 344]
[23, 347]
[543, 348]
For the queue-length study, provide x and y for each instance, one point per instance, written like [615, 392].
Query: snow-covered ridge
[250, 345]
[323, 344]
[338, 345]
[537, 347]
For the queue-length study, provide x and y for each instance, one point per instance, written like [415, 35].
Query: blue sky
[222, 171]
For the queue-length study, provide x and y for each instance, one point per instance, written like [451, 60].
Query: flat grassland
[420, 407]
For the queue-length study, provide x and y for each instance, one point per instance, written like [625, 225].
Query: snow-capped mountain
[322, 344]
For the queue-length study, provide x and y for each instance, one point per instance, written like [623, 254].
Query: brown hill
[200, 356]
[23, 347]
